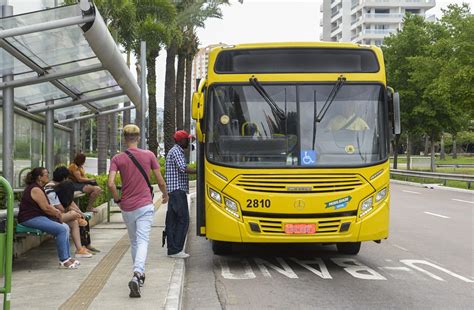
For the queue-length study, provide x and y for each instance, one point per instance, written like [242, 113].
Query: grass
[453, 170]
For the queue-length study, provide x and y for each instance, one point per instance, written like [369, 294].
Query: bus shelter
[59, 65]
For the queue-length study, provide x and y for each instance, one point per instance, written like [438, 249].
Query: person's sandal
[69, 264]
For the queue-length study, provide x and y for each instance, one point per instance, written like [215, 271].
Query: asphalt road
[427, 263]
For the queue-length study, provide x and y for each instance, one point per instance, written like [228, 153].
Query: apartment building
[367, 21]
[200, 62]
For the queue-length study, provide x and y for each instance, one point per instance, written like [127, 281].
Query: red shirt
[135, 191]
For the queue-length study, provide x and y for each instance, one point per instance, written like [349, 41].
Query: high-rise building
[200, 62]
[367, 21]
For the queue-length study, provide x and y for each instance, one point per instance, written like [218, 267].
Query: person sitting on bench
[60, 193]
[83, 183]
[36, 212]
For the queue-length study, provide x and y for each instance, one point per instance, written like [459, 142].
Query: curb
[175, 290]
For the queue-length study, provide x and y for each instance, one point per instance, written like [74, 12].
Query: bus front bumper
[222, 226]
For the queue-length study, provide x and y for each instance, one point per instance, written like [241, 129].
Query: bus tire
[349, 248]
[221, 247]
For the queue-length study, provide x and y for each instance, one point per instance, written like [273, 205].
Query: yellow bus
[293, 145]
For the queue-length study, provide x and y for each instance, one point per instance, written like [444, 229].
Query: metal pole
[54, 24]
[8, 114]
[49, 137]
[90, 137]
[143, 94]
[76, 128]
[83, 100]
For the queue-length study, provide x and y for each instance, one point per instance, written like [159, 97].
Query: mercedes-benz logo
[299, 204]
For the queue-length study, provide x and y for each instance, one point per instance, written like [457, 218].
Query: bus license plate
[300, 228]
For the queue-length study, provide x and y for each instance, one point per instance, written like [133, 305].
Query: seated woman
[36, 212]
[60, 193]
[83, 183]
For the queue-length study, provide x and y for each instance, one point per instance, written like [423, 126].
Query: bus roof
[320, 44]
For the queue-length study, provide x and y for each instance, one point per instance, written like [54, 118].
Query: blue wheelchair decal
[308, 158]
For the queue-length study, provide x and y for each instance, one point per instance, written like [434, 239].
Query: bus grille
[322, 227]
[302, 183]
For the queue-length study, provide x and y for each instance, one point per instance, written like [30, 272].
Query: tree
[411, 41]
[191, 14]
[444, 74]
[155, 19]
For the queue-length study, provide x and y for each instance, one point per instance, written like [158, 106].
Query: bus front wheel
[221, 247]
[349, 248]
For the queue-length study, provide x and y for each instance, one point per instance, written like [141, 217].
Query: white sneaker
[179, 255]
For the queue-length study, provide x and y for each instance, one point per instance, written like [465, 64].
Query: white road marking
[412, 263]
[438, 215]
[358, 270]
[401, 248]
[286, 270]
[411, 192]
[463, 200]
[243, 270]
[396, 268]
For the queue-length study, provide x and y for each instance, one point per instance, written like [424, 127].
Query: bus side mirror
[396, 114]
[197, 105]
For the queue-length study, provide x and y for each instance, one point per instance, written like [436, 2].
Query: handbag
[140, 168]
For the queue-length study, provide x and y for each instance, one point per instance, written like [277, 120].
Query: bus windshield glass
[243, 129]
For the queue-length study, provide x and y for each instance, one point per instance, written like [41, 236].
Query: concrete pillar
[8, 114]
[49, 138]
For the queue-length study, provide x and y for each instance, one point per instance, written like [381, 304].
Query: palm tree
[155, 19]
[191, 50]
[191, 14]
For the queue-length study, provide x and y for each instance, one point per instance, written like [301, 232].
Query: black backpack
[65, 192]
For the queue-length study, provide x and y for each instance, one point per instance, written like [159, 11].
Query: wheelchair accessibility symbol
[308, 158]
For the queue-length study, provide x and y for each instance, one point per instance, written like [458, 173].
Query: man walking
[136, 202]
[177, 216]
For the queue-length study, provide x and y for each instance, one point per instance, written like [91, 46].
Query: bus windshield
[244, 130]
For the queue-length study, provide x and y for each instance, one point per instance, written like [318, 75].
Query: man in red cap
[177, 216]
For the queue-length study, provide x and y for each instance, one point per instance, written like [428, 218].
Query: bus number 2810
[255, 203]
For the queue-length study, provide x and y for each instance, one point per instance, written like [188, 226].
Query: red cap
[181, 135]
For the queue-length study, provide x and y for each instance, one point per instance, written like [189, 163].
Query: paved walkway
[101, 282]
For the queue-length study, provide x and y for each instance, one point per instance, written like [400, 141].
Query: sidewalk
[101, 282]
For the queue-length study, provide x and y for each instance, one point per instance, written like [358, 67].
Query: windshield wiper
[332, 95]
[275, 109]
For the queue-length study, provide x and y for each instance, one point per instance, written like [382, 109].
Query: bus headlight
[232, 207]
[366, 206]
[381, 195]
[215, 196]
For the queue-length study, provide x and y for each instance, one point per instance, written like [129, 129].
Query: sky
[252, 21]
[265, 21]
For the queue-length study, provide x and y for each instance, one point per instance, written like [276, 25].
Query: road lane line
[401, 248]
[462, 200]
[411, 192]
[438, 215]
